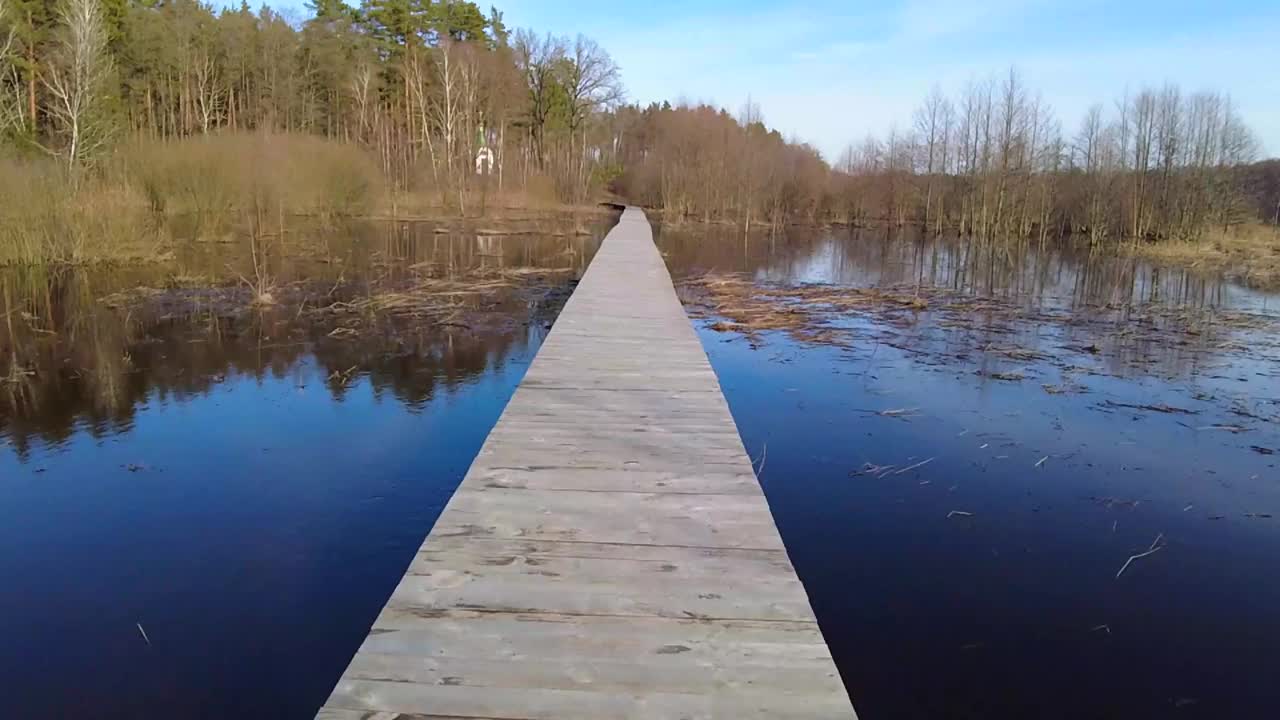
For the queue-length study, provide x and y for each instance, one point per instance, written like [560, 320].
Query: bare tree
[362, 90]
[12, 94]
[1089, 148]
[537, 57]
[930, 121]
[76, 80]
[209, 90]
[590, 79]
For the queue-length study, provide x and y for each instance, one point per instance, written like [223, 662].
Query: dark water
[247, 486]
[1014, 610]
[243, 487]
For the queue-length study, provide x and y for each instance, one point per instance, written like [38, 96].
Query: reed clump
[253, 178]
[48, 214]
[120, 209]
[1249, 253]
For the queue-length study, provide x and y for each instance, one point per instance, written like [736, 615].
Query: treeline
[993, 162]
[445, 99]
[442, 94]
[702, 163]
[1158, 164]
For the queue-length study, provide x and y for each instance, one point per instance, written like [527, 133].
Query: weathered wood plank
[609, 554]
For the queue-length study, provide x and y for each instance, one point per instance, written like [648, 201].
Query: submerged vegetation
[1015, 339]
[83, 344]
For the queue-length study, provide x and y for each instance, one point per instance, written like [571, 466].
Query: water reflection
[1059, 276]
[966, 443]
[70, 362]
[243, 484]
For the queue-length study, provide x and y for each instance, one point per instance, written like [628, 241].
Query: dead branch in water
[872, 469]
[920, 464]
[1162, 408]
[1156, 546]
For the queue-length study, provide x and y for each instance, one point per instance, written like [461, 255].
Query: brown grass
[814, 314]
[47, 215]
[236, 182]
[253, 178]
[803, 311]
[1249, 253]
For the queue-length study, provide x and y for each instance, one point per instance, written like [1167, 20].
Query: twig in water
[1042, 461]
[913, 467]
[764, 453]
[1154, 408]
[878, 471]
[958, 513]
[1229, 428]
[1155, 547]
[144, 634]
[1101, 627]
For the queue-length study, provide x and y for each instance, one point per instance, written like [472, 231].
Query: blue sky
[830, 72]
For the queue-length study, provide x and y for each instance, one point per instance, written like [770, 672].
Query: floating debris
[872, 469]
[1005, 376]
[920, 464]
[1156, 546]
[1234, 429]
[1161, 407]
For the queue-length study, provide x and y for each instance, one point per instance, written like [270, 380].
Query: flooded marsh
[1016, 483]
[206, 499]
[1036, 484]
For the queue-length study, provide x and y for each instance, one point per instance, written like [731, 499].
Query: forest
[109, 108]
[181, 108]
[995, 162]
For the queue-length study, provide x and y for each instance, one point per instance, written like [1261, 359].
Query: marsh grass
[49, 215]
[1250, 253]
[253, 181]
[220, 185]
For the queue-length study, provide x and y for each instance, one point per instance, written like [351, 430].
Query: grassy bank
[120, 210]
[148, 194]
[1248, 253]
[48, 216]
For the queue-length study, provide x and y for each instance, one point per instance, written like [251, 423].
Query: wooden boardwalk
[610, 553]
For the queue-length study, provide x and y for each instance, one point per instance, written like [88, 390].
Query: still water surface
[1014, 609]
[246, 488]
[243, 487]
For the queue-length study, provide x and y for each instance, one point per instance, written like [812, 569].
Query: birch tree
[12, 95]
[76, 80]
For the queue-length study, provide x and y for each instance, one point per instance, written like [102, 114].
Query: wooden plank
[609, 553]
